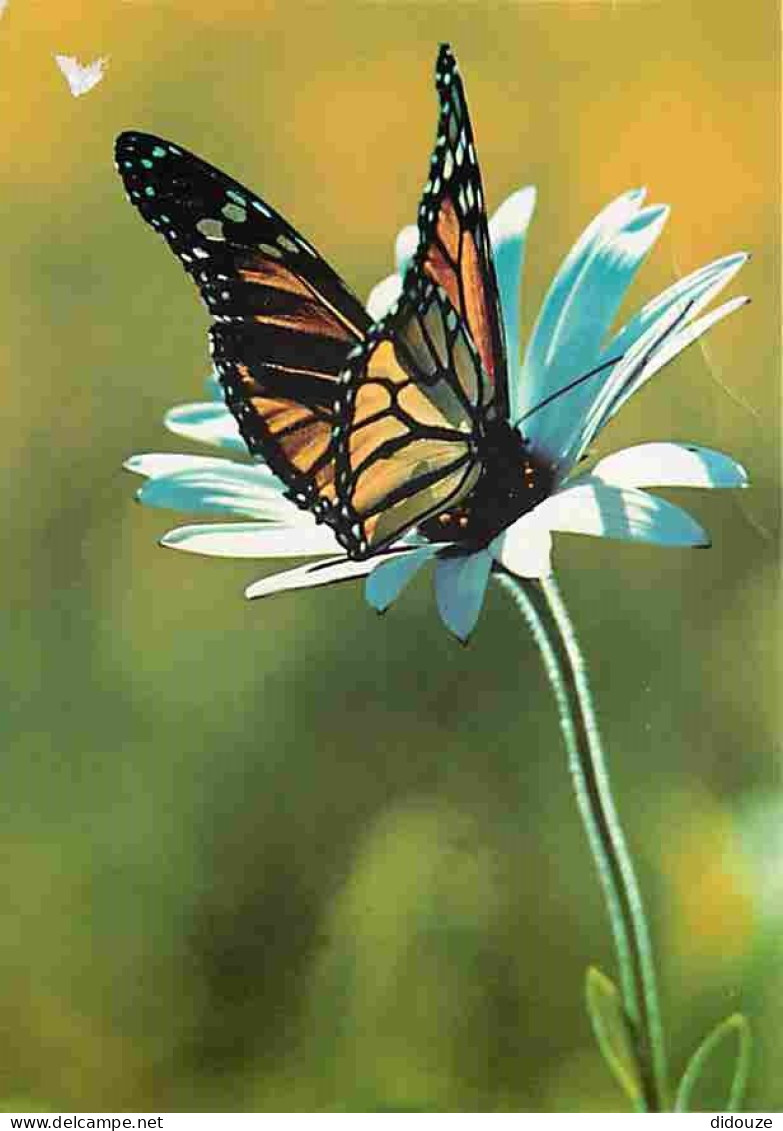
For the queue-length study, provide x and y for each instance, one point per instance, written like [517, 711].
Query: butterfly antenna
[609, 363]
[571, 385]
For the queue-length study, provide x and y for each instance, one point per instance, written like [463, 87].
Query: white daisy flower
[555, 405]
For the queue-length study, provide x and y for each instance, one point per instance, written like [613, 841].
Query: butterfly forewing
[421, 393]
[454, 249]
[283, 320]
[409, 421]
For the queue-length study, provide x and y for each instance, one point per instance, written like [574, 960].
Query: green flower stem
[542, 606]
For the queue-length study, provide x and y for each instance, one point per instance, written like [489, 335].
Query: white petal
[699, 289]
[623, 377]
[81, 77]
[207, 422]
[166, 463]
[383, 296]
[508, 233]
[597, 400]
[660, 343]
[525, 548]
[671, 346]
[578, 311]
[670, 465]
[310, 576]
[213, 388]
[389, 578]
[460, 585]
[405, 247]
[614, 512]
[252, 540]
[511, 219]
[223, 488]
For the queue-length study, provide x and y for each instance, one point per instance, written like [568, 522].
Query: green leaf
[735, 1025]
[614, 1033]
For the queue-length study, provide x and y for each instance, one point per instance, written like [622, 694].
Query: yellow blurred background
[289, 857]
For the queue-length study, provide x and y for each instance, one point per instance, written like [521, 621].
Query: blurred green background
[288, 856]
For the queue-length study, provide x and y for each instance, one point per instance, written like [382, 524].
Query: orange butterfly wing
[454, 248]
[283, 320]
[420, 394]
[410, 424]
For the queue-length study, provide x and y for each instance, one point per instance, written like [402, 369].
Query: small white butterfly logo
[81, 77]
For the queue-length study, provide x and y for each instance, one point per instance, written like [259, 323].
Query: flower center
[511, 483]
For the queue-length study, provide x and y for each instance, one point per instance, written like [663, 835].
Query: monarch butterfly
[375, 428]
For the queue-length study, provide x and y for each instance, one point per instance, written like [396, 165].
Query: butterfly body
[512, 482]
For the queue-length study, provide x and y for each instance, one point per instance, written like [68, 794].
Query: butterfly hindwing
[454, 248]
[283, 320]
[409, 421]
